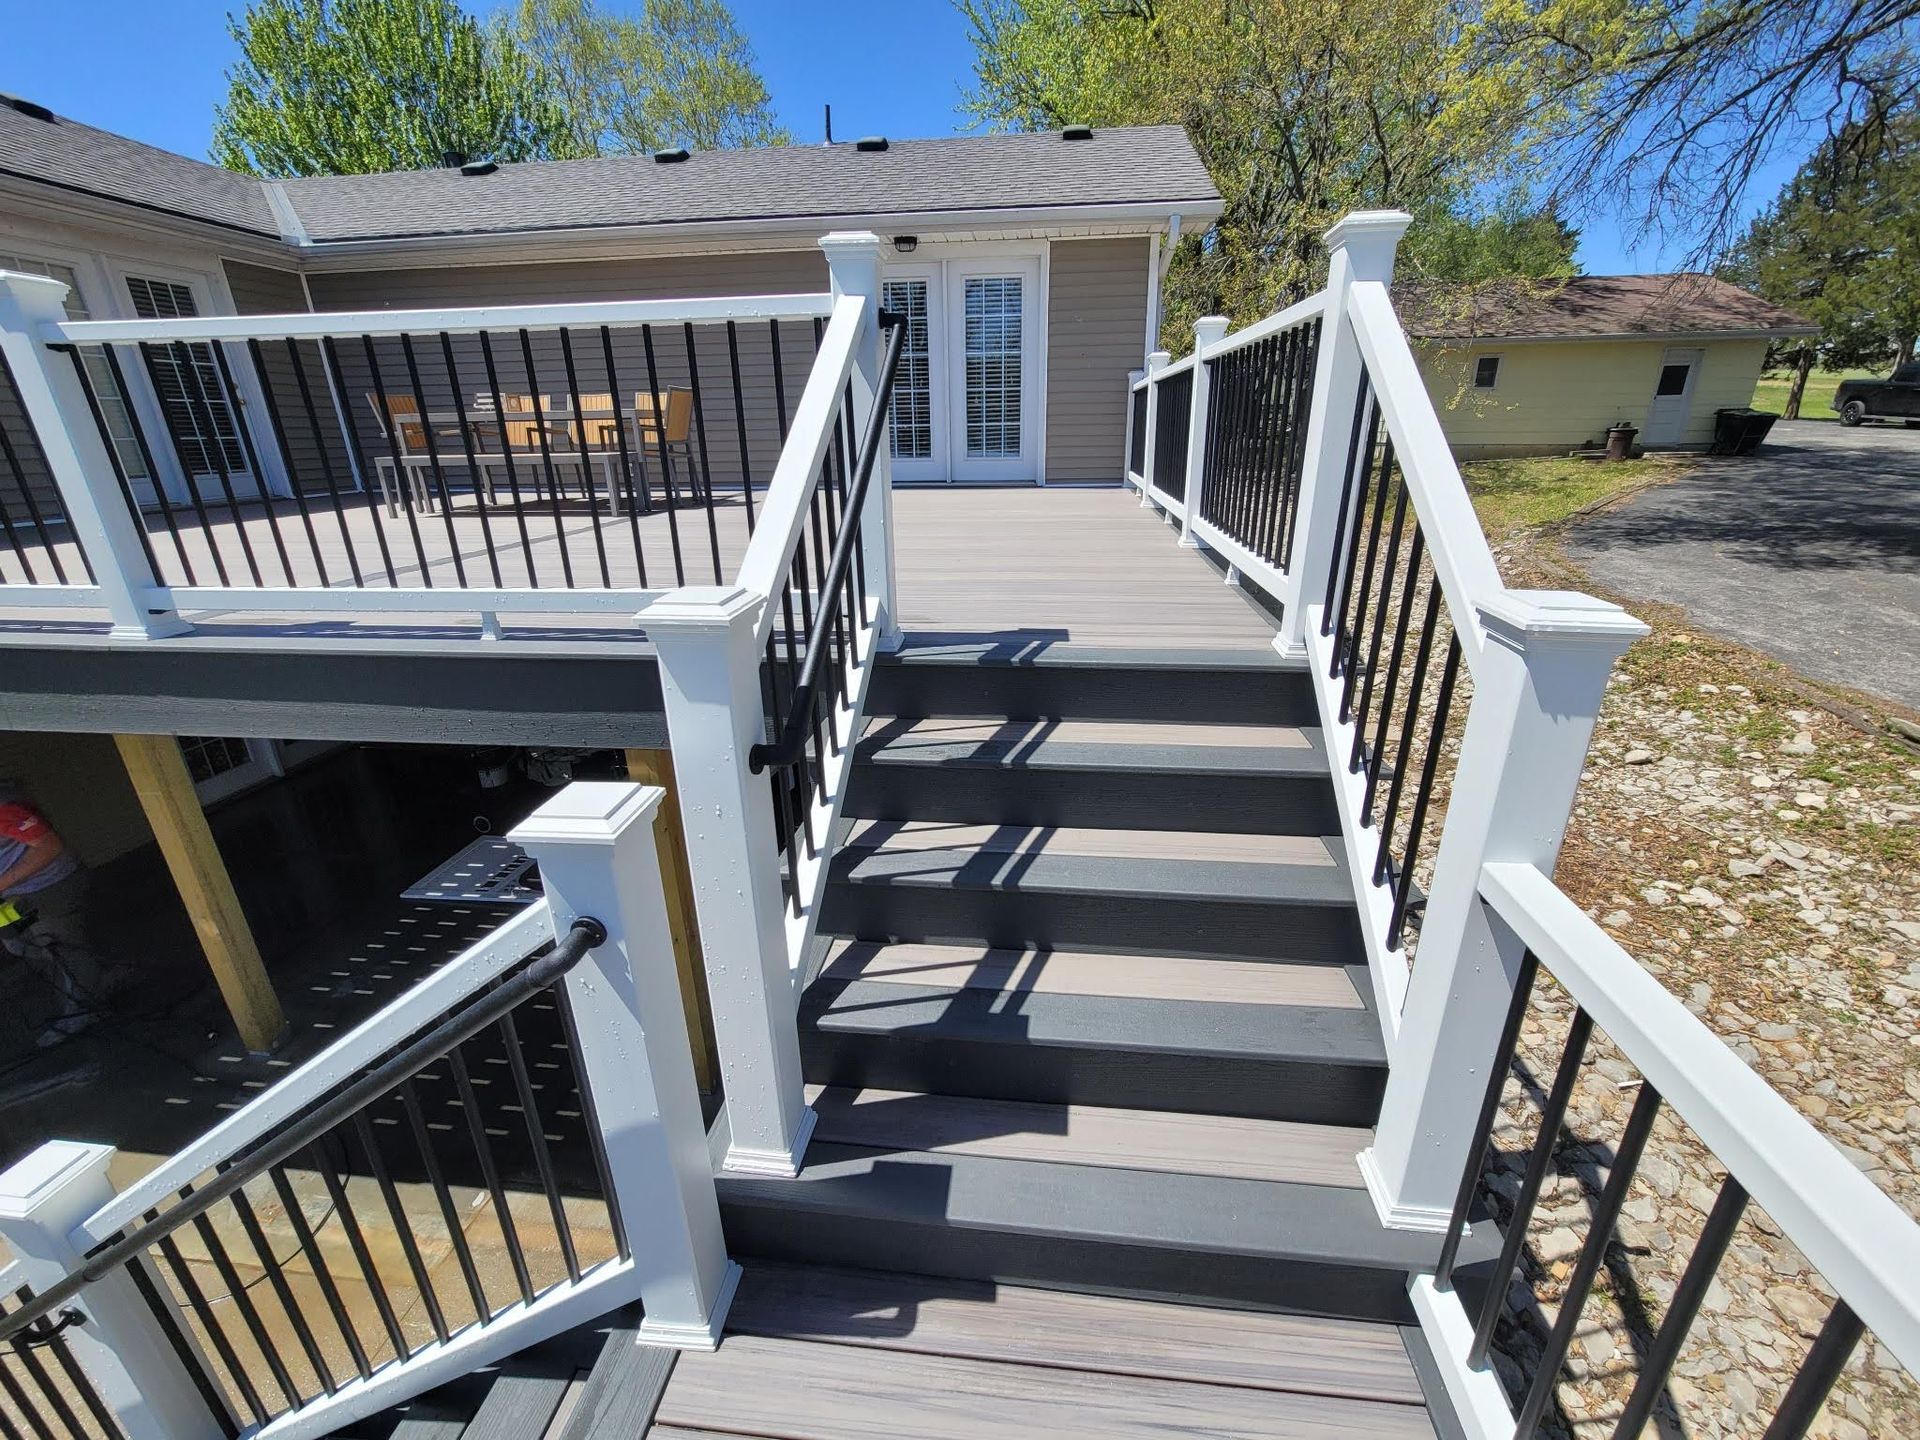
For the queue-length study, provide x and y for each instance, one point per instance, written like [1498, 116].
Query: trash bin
[1740, 430]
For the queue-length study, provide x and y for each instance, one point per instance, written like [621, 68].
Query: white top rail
[366, 1043]
[466, 319]
[1167, 372]
[1455, 541]
[1866, 1246]
[784, 510]
[1297, 313]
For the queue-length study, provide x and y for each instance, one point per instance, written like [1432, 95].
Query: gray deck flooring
[1019, 566]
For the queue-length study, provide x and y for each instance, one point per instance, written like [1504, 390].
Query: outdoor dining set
[537, 444]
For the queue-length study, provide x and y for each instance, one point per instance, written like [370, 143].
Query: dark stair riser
[1253, 695]
[1228, 802]
[1211, 926]
[1312, 1091]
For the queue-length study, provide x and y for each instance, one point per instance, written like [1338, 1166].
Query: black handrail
[585, 934]
[790, 747]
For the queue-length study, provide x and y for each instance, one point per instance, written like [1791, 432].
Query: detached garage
[1542, 367]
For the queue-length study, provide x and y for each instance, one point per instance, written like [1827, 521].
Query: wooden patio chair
[408, 461]
[664, 424]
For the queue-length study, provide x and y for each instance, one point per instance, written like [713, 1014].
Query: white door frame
[945, 266]
[1672, 426]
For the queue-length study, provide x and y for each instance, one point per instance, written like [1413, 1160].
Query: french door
[966, 401]
[199, 408]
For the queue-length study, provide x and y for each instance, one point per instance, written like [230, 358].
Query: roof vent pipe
[1077, 132]
[26, 107]
[670, 157]
[479, 167]
[452, 159]
[871, 144]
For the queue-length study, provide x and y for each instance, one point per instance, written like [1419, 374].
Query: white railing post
[122, 1347]
[1208, 330]
[1537, 692]
[1360, 247]
[853, 262]
[1156, 362]
[710, 681]
[594, 845]
[55, 400]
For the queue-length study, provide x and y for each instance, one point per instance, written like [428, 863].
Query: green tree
[345, 87]
[679, 74]
[1841, 245]
[1301, 112]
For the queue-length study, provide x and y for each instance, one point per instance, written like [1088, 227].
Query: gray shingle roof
[78, 157]
[1145, 164]
[1589, 307]
[1140, 165]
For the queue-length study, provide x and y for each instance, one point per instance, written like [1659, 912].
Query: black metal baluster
[29, 1411]
[490, 1171]
[580, 445]
[210, 1323]
[779, 383]
[165, 505]
[740, 422]
[283, 1292]
[402, 1224]
[1817, 1373]
[286, 459]
[216, 448]
[322, 1272]
[1388, 573]
[326, 460]
[1218, 371]
[19, 473]
[1423, 796]
[1376, 761]
[1552, 1116]
[590, 1113]
[362, 1255]
[1708, 1251]
[449, 1212]
[783, 821]
[433, 454]
[546, 457]
[186, 472]
[666, 461]
[249, 1315]
[1301, 413]
[45, 1388]
[113, 462]
[1241, 422]
[245, 434]
[1416, 687]
[1273, 460]
[626, 456]
[1361, 595]
[478, 477]
[395, 426]
[369, 482]
[537, 1138]
[1483, 1123]
[705, 485]
[183, 1350]
[1340, 516]
[506, 456]
[1646, 1108]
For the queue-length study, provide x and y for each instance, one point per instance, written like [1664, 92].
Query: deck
[1027, 565]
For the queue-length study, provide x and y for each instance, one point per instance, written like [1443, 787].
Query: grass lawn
[1524, 494]
[1771, 392]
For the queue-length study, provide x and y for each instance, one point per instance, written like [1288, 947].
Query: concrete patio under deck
[1085, 565]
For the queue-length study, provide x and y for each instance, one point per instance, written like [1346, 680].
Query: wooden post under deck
[159, 774]
[655, 767]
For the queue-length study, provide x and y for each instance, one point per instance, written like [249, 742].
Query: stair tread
[1156, 1140]
[1105, 1333]
[1067, 744]
[1020, 654]
[1179, 1213]
[1291, 868]
[1087, 973]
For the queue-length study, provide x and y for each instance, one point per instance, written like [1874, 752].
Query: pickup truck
[1895, 398]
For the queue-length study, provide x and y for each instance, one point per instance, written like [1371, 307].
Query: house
[1544, 367]
[1120, 907]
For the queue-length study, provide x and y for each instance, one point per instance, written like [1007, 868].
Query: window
[1486, 372]
[993, 365]
[1673, 380]
[1908, 374]
[100, 373]
[911, 421]
[187, 379]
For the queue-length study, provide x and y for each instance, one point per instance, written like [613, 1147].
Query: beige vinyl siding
[1096, 327]
[258, 290]
[1553, 397]
[671, 277]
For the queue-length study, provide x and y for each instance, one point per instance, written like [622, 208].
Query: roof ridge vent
[871, 144]
[479, 167]
[29, 108]
[1077, 132]
[670, 157]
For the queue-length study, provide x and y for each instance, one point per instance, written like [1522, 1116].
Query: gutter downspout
[1159, 257]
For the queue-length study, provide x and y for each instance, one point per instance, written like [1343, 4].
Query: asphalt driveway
[1809, 550]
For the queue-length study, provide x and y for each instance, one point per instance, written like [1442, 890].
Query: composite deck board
[800, 1390]
[1105, 1333]
[1160, 1140]
[1070, 972]
[1021, 842]
[996, 737]
[521, 1406]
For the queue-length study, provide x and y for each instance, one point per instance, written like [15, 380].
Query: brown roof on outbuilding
[1590, 307]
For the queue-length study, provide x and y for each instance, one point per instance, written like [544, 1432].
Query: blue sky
[893, 67]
